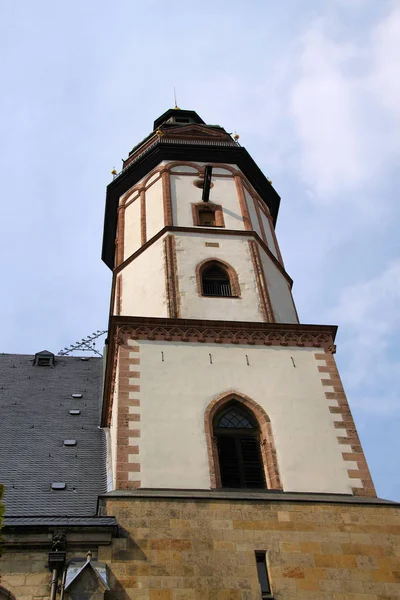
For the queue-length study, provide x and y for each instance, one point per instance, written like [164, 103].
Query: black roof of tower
[179, 114]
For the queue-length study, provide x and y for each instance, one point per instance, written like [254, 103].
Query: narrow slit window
[262, 572]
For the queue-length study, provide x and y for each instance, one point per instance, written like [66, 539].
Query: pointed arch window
[6, 594]
[237, 436]
[216, 281]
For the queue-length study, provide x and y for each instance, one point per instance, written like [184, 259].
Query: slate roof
[34, 414]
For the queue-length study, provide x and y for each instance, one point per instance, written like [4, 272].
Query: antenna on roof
[176, 105]
[85, 345]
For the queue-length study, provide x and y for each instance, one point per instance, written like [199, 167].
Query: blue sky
[313, 89]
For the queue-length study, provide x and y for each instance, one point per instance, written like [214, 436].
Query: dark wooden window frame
[241, 437]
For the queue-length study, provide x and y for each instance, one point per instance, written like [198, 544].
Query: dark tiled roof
[34, 407]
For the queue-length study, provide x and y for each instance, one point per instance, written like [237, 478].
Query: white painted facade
[175, 393]
[176, 390]
[144, 281]
[183, 194]
[143, 284]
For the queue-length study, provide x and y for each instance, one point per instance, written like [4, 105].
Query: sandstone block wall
[204, 550]
[186, 549]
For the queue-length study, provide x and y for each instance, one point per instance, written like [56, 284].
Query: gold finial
[88, 556]
[269, 181]
[236, 136]
[114, 173]
[159, 132]
[176, 107]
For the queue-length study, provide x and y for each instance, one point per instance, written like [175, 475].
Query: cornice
[225, 332]
[124, 328]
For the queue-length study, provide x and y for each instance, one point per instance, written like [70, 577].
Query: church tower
[235, 471]
[212, 382]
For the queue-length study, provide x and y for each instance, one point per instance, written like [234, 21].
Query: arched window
[5, 594]
[215, 281]
[237, 436]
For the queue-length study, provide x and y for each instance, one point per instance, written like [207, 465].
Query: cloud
[345, 105]
[370, 316]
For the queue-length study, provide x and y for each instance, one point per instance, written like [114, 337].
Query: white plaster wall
[252, 212]
[184, 193]
[132, 239]
[268, 233]
[184, 169]
[113, 436]
[143, 284]
[190, 251]
[174, 395]
[110, 454]
[154, 209]
[279, 291]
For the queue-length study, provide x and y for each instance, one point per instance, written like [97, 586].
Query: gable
[197, 132]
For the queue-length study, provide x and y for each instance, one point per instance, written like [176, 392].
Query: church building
[216, 457]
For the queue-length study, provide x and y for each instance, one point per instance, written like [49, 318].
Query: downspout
[64, 577]
[54, 582]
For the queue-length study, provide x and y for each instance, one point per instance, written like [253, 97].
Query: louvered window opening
[239, 453]
[207, 217]
[216, 282]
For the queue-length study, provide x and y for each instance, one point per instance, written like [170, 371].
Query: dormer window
[44, 359]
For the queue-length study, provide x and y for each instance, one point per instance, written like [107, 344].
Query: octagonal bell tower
[211, 381]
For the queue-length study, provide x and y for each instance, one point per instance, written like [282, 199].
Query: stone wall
[186, 549]
[24, 573]
[172, 548]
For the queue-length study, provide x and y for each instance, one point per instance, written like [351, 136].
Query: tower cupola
[177, 116]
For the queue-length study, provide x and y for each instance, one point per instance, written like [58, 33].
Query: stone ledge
[266, 496]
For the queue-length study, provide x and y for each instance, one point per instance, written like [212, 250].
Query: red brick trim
[184, 163]
[143, 235]
[120, 236]
[167, 200]
[346, 427]
[145, 182]
[132, 192]
[198, 207]
[243, 203]
[233, 278]
[128, 417]
[265, 300]
[225, 332]
[118, 306]
[267, 443]
[171, 277]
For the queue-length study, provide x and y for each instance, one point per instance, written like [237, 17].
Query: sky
[312, 88]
